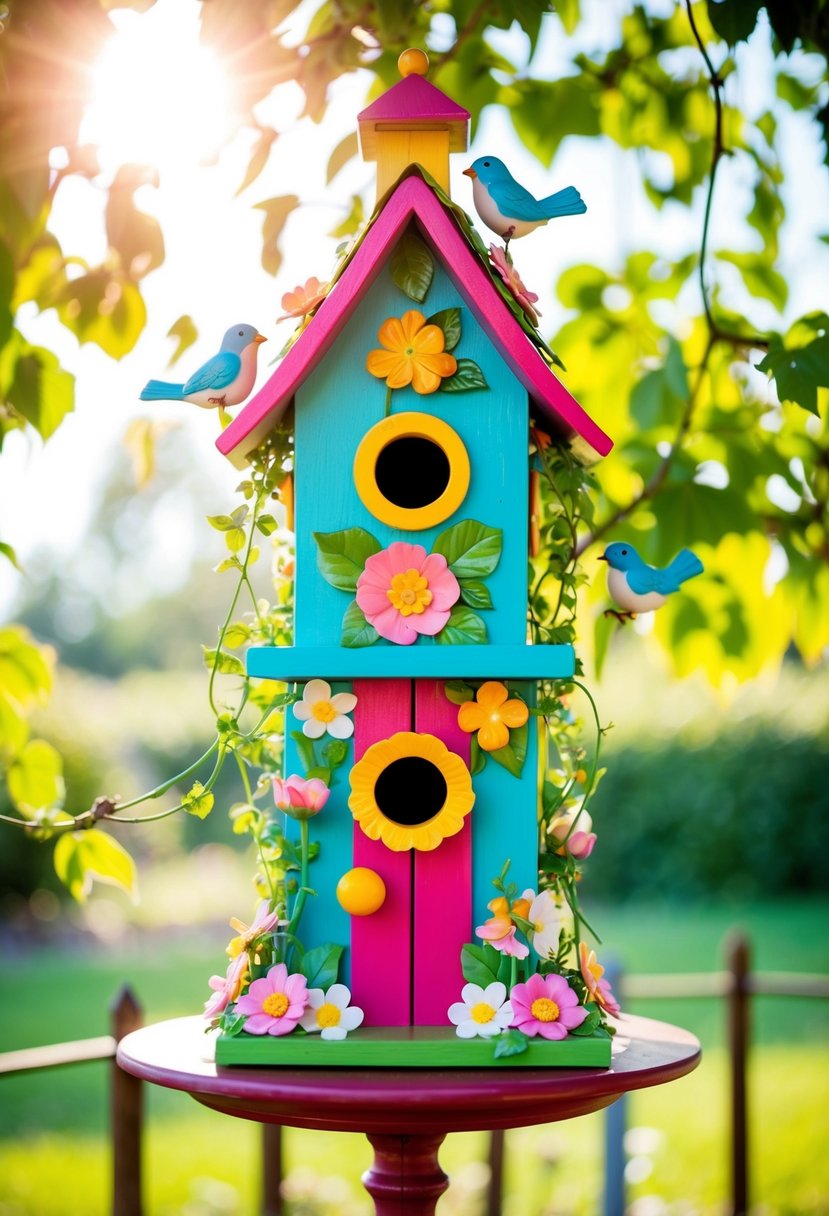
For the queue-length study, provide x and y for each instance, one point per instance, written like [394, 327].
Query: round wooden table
[405, 1113]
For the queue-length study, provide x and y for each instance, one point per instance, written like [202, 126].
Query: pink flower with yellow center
[546, 1005]
[275, 1003]
[413, 354]
[492, 715]
[598, 988]
[226, 988]
[403, 592]
[512, 279]
[500, 929]
[302, 300]
[300, 797]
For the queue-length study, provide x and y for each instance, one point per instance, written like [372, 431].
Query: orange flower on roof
[301, 301]
[492, 715]
[413, 354]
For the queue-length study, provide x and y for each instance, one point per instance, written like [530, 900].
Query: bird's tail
[684, 566]
[564, 202]
[161, 390]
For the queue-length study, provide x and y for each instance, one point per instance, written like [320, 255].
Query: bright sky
[159, 98]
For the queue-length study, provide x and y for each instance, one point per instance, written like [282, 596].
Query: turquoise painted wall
[340, 401]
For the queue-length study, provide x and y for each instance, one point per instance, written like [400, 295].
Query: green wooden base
[407, 1047]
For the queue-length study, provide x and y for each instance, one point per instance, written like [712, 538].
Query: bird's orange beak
[470, 173]
[260, 338]
[602, 557]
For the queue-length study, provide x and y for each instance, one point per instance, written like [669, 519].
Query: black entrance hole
[412, 471]
[410, 791]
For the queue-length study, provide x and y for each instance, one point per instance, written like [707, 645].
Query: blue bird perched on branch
[637, 587]
[508, 208]
[226, 379]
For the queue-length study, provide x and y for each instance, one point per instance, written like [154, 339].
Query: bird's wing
[218, 372]
[643, 578]
[514, 202]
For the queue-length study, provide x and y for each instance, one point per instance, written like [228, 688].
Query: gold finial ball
[413, 62]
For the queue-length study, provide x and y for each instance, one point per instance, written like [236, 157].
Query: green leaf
[305, 749]
[512, 756]
[468, 376]
[259, 157]
[475, 594]
[472, 550]
[267, 525]
[457, 692]
[222, 523]
[133, 234]
[342, 154]
[733, 20]
[759, 276]
[81, 857]
[449, 320]
[412, 267]
[25, 668]
[334, 752]
[185, 333]
[235, 540]
[236, 634]
[321, 965]
[341, 556]
[464, 628]
[356, 630]
[510, 1043]
[590, 1023]
[35, 778]
[40, 390]
[661, 395]
[198, 801]
[477, 757]
[8, 552]
[225, 664]
[276, 211]
[799, 371]
[479, 964]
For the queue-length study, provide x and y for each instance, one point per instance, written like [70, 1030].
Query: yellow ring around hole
[411, 425]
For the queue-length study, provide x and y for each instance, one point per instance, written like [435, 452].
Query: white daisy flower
[548, 918]
[320, 712]
[482, 1011]
[329, 1013]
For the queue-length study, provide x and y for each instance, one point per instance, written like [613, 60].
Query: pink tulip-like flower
[403, 592]
[275, 1003]
[582, 838]
[300, 797]
[300, 301]
[598, 988]
[226, 988]
[503, 264]
[546, 1005]
[500, 929]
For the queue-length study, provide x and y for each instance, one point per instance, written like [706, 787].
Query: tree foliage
[712, 386]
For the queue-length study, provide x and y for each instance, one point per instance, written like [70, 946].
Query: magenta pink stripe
[381, 951]
[412, 199]
[415, 99]
[442, 881]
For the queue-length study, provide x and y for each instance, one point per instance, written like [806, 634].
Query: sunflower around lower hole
[416, 778]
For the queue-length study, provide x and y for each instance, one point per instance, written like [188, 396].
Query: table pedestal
[405, 1178]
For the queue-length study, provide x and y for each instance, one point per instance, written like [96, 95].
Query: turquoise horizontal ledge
[291, 663]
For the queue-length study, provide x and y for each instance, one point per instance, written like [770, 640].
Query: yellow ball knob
[361, 891]
[413, 62]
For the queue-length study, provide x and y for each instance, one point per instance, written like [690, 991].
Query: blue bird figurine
[510, 210]
[226, 379]
[637, 587]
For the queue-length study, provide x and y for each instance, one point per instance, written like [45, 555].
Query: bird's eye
[624, 553]
[486, 164]
[241, 333]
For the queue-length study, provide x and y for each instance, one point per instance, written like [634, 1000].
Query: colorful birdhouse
[413, 385]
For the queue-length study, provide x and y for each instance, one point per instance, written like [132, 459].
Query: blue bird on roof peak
[508, 208]
[637, 587]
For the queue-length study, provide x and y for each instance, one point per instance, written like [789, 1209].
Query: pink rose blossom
[226, 988]
[503, 264]
[275, 1003]
[403, 592]
[546, 1005]
[300, 797]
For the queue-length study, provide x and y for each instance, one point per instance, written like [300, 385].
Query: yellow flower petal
[493, 735]
[514, 713]
[392, 335]
[470, 716]
[429, 340]
[491, 694]
[411, 322]
[382, 363]
[402, 374]
[424, 380]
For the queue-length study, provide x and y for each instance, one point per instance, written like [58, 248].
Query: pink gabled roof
[413, 98]
[412, 200]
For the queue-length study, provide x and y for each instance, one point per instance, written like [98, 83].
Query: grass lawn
[54, 1156]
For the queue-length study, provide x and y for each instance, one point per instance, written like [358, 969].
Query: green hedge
[744, 816]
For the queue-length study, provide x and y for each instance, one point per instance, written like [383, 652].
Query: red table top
[177, 1054]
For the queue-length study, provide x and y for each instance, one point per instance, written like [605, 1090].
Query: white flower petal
[316, 998]
[472, 994]
[495, 994]
[344, 702]
[352, 1018]
[308, 1021]
[504, 1015]
[316, 690]
[313, 729]
[457, 1013]
[467, 1030]
[488, 1029]
[341, 727]
[302, 712]
[333, 1032]
[338, 995]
